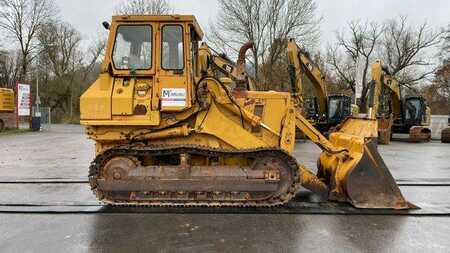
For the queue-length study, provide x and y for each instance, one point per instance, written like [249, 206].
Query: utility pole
[37, 111]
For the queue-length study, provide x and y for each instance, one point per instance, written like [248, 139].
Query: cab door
[174, 89]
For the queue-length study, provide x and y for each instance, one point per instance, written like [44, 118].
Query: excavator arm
[325, 111]
[300, 64]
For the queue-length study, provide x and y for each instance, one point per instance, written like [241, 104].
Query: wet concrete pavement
[64, 152]
[222, 233]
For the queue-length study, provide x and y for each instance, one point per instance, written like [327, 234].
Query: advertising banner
[23, 99]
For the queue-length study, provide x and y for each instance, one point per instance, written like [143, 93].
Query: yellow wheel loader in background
[167, 133]
[396, 115]
[323, 110]
[7, 107]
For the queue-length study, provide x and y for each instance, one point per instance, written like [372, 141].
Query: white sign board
[23, 100]
[173, 97]
[359, 77]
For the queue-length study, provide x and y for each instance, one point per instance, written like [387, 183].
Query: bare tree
[438, 92]
[21, 20]
[59, 43]
[149, 7]
[267, 23]
[442, 77]
[404, 50]
[357, 44]
[60, 46]
[95, 52]
[9, 68]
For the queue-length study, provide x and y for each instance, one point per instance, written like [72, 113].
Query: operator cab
[339, 108]
[150, 67]
[415, 111]
[157, 49]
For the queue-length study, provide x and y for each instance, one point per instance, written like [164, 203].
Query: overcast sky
[87, 15]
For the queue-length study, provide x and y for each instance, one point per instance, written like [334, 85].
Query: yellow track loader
[7, 106]
[169, 134]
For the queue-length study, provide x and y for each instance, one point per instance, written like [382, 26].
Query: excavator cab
[415, 111]
[414, 119]
[339, 108]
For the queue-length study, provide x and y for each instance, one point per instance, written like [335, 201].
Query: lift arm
[315, 136]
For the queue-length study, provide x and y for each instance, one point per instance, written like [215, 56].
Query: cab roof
[161, 18]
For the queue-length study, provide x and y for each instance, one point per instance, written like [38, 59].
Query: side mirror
[106, 25]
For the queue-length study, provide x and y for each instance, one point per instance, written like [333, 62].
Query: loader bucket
[361, 177]
[370, 184]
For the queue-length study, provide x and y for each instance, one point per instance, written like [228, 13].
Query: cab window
[172, 47]
[133, 47]
[413, 109]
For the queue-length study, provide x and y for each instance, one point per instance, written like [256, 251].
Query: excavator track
[120, 177]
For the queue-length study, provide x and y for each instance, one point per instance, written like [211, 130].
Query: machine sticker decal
[173, 97]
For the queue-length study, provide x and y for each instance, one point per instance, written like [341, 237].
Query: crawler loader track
[140, 188]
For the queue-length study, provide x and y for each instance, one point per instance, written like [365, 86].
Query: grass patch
[14, 131]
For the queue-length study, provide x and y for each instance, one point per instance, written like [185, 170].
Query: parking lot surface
[64, 152]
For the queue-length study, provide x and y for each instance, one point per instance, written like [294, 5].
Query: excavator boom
[324, 110]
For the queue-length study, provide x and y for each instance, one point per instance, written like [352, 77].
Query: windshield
[335, 109]
[172, 47]
[133, 47]
[412, 109]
